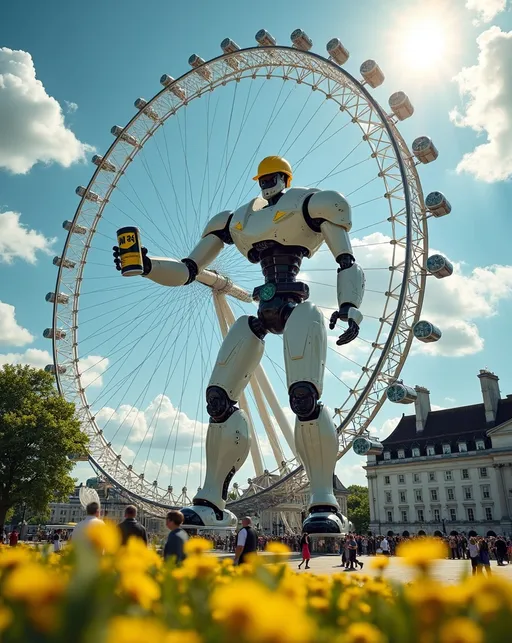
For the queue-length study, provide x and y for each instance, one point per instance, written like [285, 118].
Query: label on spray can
[130, 252]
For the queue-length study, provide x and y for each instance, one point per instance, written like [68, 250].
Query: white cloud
[486, 9]
[19, 242]
[351, 474]
[487, 88]
[30, 357]
[70, 107]
[11, 333]
[91, 369]
[349, 376]
[32, 123]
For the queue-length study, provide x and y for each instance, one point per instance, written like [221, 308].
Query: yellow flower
[200, 566]
[13, 556]
[461, 630]
[140, 588]
[136, 556]
[197, 546]
[363, 633]
[429, 599]
[125, 629]
[105, 537]
[422, 553]
[5, 617]
[33, 584]
[379, 563]
[277, 548]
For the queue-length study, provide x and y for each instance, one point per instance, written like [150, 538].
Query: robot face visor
[272, 184]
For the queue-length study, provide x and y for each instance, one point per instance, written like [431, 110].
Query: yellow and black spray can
[130, 251]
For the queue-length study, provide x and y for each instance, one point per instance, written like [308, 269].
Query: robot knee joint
[218, 404]
[304, 400]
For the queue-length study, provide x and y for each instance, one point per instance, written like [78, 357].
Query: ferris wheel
[135, 357]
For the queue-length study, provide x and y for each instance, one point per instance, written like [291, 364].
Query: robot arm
[330, 211]
[170, 272]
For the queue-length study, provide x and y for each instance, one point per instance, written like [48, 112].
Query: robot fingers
[334, 318]
[350, 334]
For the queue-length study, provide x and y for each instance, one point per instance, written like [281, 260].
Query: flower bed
[101, 593]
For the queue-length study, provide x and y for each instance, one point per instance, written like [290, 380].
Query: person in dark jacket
[501, 550]
[246, 542]
[131, 527]
[177, 537]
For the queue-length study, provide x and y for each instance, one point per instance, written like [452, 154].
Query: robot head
[274, 176]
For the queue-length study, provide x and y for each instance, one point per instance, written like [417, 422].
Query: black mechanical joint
[345, 261]
[192, 270]
[304, 401]
[218, 404]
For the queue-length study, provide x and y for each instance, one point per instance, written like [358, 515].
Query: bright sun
[425, 44]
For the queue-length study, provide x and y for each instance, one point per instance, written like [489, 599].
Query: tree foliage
[38, 429]
[358, 507]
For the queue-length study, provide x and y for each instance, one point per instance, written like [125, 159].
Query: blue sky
[94, 63]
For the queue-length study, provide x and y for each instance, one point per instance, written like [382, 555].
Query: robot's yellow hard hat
[272, 164]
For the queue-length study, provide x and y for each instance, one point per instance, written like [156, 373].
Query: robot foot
[204, 517]
[325, 523]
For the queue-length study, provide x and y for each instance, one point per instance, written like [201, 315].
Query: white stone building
[446, 471]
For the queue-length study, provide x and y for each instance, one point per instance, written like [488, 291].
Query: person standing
[13, 538]
[174, 547]
[130, 527]
[57, 545]
[501, 550]
[306, 554]
[474, 555]
[384, 545]
[485, 559]
[246, 541]
[93, 517]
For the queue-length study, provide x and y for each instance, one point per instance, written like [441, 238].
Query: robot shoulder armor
[218, 223]
[328, 205]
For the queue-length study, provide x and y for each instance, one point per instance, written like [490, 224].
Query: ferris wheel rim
[231, 76]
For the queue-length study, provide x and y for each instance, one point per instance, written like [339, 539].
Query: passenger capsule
[87, 195]
[437, 204]
[264, 39]
[401, 105]
[300, 40]
[401, 394]
[140, 104]
[48, 333]
[337, 51]
[365, 446]
[104, 164]
[426, 332]
[50, 368]
[196, 62]
[77, 229]
[228, 46]
[118, 132]
[65, 263]
[61, 298]
[174, 88]
[372, 73]
[439, 266]
[424, 150]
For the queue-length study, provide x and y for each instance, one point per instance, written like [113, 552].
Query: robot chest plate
[283, 223]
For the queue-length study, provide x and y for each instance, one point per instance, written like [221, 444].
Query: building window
[480, 445]
[488, 513]
[465, 474]
[453, 514]
[401, 454]
[483, 472]
[419, 513]
[471, 514]
[388, 497]
[437, 516]
[418, 495]
[431, 476]
[416, 477]
[387, 455]
[448, 475]
[403, 496]
[486, 491]
[463, 447]
[401, 479]
[415, 452]
[447, 449]
[386, 480]
[390, 516]
[450, 493]
[404, 516]
[433, 495]
[468, 493]
[431, 450]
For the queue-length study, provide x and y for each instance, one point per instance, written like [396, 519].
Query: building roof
[449, 424]
[338, 485]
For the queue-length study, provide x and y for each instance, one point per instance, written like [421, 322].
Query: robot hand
[353, 317]
[145, 260]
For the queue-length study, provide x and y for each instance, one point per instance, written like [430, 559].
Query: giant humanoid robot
[276, 230]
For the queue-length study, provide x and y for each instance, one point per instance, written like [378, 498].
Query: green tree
[38, 429]
[358, 507]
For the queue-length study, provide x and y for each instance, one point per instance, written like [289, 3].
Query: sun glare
[425, 44]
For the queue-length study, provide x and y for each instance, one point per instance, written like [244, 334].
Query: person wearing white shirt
[384, 545]
[93, 516]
